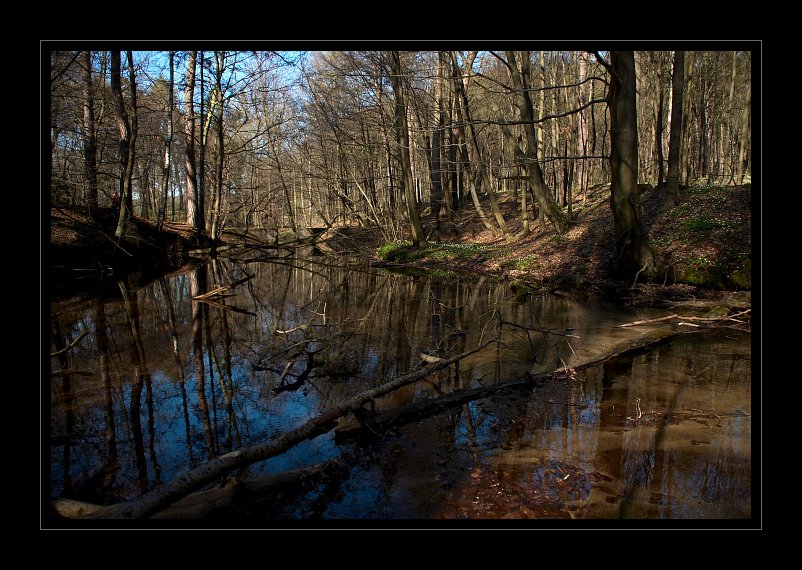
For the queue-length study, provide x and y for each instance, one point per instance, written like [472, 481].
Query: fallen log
[159, 498]
[374, 423]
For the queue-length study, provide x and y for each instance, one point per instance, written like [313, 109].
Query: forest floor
[705, 243]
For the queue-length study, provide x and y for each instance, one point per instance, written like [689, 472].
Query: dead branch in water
[71, 345]
[374, 423]
[689, 318]
[219, 290]
[164, 495]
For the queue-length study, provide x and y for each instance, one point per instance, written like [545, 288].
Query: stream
[149, 383]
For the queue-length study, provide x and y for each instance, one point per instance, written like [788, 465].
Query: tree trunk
[402, 136]
[743, 153]
[89, 135]
[168, 141]
[465, 163]
[481, 171]
[675, 137]
[127, 137]
[632, 247]
[217, 99]
[194, 216]
[523, 102]
[438, 201]
[203, 131]
[658, 135]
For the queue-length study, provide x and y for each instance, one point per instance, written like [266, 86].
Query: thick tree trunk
[89, 135]
[632, 247]
[194, 215]
[675, 137]
[402, 136]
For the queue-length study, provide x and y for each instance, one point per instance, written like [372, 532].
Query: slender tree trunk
[632, 247]
[523, 102]
[443, 139]
[168, 142]
[127, 136]
[658, 135]
[402, 136]
[203, 131]
[743, 153]
[481, 171]
[194, 215]
[89, 135]
[675, 137]
[437, 143]
[466, 175]
[218, 105]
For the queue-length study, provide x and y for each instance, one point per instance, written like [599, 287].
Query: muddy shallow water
[159, 383]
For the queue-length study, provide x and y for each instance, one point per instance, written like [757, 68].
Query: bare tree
[632, 246]
[168, 141]
[89, 134]
[194, 214]
[128, 130]
[402, 136]
[675, 137]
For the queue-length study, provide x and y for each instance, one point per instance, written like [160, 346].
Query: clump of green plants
[394, 251]
[525, 263]
[700, 224]
[404, 252]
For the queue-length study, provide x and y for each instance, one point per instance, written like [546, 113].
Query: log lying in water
[165, 495]
[373, 423]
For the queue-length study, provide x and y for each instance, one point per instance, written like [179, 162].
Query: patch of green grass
[660, 242]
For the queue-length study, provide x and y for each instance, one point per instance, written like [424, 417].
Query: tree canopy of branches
[380, 139]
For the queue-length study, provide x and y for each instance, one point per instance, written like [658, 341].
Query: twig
[222, 288]
[638, 274]
[538, 330]
[71, 345]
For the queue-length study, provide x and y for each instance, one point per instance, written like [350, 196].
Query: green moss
[394, 251]
[741, 278]
[403, 252]
[717, 312]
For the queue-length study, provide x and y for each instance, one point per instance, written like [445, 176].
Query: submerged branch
[689, 318]
[71, 345]
[162, 496]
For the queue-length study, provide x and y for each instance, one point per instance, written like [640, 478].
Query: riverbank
[705, 243]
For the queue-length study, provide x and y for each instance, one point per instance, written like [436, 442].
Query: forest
[296, 140]
[398, 284]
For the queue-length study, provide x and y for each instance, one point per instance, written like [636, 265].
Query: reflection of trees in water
[158, 336]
